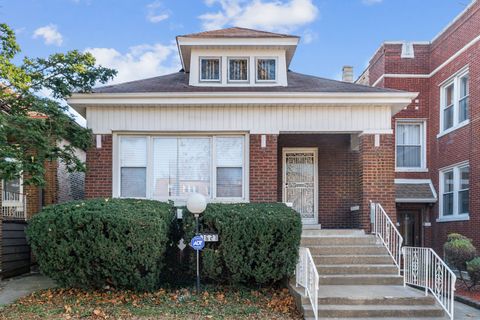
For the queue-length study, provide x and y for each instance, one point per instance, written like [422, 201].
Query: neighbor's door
[410, 227]
[300, 182]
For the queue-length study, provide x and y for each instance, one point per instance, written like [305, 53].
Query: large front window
[455, 189]
[455, 102]
[410, 146]
[173, 167]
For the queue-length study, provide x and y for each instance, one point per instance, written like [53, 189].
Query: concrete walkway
[464, 312]
[14, 288]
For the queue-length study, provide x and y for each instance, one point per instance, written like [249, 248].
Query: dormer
[237, 57]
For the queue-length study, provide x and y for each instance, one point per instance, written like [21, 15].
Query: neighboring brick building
[438, 135]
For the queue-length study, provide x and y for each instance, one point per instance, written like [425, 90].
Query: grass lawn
[213, 303]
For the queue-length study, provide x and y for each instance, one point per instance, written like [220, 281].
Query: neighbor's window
[133, 167]
[210, 69]
[455, 101]
[410, 145]
[238, 69]
[455, 187]
[266, 69]
[178, 166]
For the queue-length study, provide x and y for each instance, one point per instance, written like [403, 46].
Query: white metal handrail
[387, 232]
[424, 268]
[306, 276]
[14, 206]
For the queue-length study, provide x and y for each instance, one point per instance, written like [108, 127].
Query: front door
[300, 182]
[410, 227]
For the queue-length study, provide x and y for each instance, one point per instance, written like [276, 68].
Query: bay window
[454, 189]
[454, 102]
[410, 145]
[173, 167]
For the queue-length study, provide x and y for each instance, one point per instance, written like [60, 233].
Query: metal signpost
[197, 244]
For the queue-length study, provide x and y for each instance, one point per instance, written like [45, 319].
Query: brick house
[19, 203]
[236, 125]
[437, 146]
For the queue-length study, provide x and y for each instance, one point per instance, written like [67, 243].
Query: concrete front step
[317, 232]
[332, 240]
[386, 300]
[386, 269]
[361, 279]
[377, 311]
[352, 259]
[348, 250]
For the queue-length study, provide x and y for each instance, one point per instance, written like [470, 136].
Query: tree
[32, 126]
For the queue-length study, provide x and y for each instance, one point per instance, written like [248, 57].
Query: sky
[137, 37]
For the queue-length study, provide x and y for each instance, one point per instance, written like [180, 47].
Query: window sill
[458, 126]
[463, 217]
[411, 169]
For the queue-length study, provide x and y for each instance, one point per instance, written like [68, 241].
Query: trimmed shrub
[473, 269]
[102, 242]
[459, 250]
[258, 242]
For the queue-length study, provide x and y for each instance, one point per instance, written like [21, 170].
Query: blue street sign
[197, 243]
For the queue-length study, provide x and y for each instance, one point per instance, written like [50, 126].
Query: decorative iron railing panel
[306, 276]
[14, 206]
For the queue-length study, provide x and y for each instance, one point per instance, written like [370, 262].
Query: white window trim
[455, 80]
[456, 188]
[423, 138]
[116, 183]
[256, 69]
[248, 69]
[219, 59]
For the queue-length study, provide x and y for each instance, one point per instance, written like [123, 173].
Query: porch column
[377, 175]
[263, 168]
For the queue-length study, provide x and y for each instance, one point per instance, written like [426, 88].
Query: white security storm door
[300, 182]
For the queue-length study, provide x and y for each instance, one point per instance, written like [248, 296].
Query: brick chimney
[347, 74]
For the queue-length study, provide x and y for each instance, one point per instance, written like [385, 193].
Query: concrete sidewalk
[14, 288]
[464, 312]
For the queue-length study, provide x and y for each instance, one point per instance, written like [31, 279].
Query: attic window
[238, 69]
[210, 69]
[266, 70]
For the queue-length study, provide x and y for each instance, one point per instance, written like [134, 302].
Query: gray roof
[237, 32]
[419, 192]
[297, 82]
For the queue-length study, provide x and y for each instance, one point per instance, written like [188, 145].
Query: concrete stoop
[358, 280]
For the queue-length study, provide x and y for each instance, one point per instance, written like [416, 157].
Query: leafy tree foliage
[32, 126]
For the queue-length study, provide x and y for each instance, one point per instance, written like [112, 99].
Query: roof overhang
[396, 100]
[411, 198]
[185, 45]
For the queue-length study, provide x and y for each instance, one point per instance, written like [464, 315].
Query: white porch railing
[424, 268]
[306, 275]
[387, 232]
[14, 206]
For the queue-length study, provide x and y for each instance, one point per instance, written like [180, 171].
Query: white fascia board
[185, 41]
[402, 200]
[397, 100]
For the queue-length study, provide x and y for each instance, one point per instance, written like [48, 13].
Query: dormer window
[238, 69]
[266, 69]
[209, 69]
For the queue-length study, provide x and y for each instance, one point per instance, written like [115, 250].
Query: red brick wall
[263, 169]
[98, 178]
[338, 176]
[377, 176]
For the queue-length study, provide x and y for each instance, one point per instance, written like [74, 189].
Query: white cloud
[371, 2]
[154, 12]
[142, 61]
[276, 15]
[309, 36]
[49, 34]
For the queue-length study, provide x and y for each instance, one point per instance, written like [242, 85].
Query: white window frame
[456, 216]
[9, 203]
[219, 59]
[116, 192]
[256, 69]
[248, 69]
[423, 146]
[148, 168]
[455, 80]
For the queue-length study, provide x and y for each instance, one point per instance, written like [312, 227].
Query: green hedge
[95, 243]
[258, 242]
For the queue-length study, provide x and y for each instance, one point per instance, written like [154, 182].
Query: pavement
[464, 312]
[14, 288]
